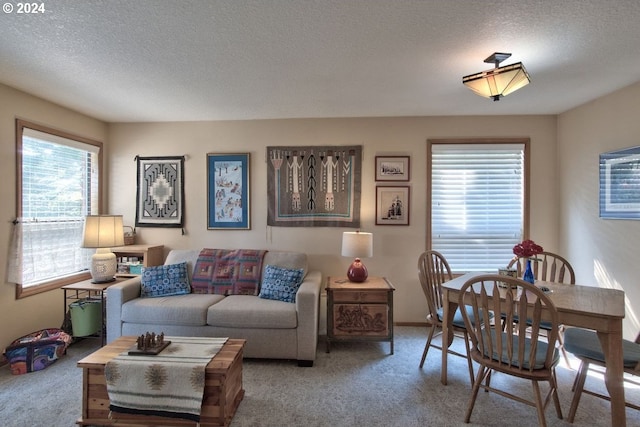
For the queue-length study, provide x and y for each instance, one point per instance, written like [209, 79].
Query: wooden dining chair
[585, 345]
[433, 271]
[503, 346]
[548, 267]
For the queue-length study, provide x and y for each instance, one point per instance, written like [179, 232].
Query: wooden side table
[359, 311]
[148, 256]
[86, 289]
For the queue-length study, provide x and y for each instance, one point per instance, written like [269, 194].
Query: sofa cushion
[285, 259]
[189, 309]
[249, 311]
[281, 284]
[164, 280]
[183, 255]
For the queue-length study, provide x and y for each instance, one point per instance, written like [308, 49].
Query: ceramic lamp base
[103, 266]
[357, 272]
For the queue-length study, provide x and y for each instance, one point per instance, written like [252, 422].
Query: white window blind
[477, 197]
[59, 187]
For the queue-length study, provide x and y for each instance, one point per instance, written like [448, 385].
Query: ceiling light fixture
[500, 81]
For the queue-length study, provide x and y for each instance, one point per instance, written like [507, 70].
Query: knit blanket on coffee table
[170, 384]
[228, 272]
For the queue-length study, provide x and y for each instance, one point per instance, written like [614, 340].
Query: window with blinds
[58, 186]
[477, 203]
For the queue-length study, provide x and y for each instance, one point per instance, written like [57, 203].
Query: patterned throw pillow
[280, 283]
[165, 280]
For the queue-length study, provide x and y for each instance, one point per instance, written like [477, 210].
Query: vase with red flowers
[527, 249]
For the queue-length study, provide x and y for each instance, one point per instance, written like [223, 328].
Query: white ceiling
[176, 60]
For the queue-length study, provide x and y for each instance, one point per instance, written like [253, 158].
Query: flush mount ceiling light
[500, 81]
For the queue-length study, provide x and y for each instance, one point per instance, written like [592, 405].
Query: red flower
[528, 248]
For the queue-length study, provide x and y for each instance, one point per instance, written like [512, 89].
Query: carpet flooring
[356, 384]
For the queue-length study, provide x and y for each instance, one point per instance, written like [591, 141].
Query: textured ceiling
[175, 60]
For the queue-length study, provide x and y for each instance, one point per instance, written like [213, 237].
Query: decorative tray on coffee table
[149, 344]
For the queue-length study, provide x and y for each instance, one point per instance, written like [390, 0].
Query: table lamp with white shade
[359, 245]
[103, 232]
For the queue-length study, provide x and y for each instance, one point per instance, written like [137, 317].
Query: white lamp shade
[498, 81]
[103, 231]
[357, 244]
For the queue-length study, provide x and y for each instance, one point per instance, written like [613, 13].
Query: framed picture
[392, 168]
[228, 191]
[160, 192]
[392, 205]
[620, 184]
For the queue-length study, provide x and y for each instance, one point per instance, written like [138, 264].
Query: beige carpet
[357, 384]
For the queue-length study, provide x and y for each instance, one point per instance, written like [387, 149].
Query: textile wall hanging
[160, 194]
[314, 186]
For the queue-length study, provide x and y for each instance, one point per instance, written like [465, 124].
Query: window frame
[22, 292]
[526, 142]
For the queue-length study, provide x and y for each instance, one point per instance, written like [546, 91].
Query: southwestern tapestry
[160, 194]
[314, 186]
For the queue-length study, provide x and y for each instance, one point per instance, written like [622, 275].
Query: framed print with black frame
[620, 184]
[392, 205]
[160, 192]
[392, 168]
[228, 193]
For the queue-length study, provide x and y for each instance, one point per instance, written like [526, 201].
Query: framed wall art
[392, 168]
[160, 192]
[620, 184]
[392, 205]
[228, 191]
[314, 186]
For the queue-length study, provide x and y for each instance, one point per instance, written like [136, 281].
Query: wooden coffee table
[223, 390]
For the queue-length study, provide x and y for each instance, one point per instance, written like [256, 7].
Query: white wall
[604, 252]
[564, 189]
[396, 248]
[19, 317]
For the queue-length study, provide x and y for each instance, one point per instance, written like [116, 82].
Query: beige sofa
[273, 329]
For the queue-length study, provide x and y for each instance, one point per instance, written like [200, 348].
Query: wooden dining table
[588, 307]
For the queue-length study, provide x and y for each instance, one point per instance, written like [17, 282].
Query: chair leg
[575, 381]
[487, 383]
[556, 400]
[469, 362]
[561, 345]
[542, 422]
[427, 345]
[579, 385]
[474, 393]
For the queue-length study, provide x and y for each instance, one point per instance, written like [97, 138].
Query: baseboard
[425, 324]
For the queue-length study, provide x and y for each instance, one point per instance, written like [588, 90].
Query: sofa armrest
[117, 295]
[308, 309]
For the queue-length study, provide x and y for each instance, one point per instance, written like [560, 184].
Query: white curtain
[43, 250]
[14, 260]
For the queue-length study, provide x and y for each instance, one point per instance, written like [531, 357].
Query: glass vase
[528, 273]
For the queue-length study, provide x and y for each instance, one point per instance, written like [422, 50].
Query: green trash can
[86, 317]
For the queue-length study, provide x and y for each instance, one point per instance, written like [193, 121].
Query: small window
[477, 201]
[58, 185]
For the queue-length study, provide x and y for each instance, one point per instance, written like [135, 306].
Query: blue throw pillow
[281, 283]
[165, 280]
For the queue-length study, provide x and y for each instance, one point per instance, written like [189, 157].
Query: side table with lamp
[87, 313]
[359, 307]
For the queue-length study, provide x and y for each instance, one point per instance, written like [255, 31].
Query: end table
[359, 311]
[84, 289]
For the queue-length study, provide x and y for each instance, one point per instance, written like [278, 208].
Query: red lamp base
[357, 272]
